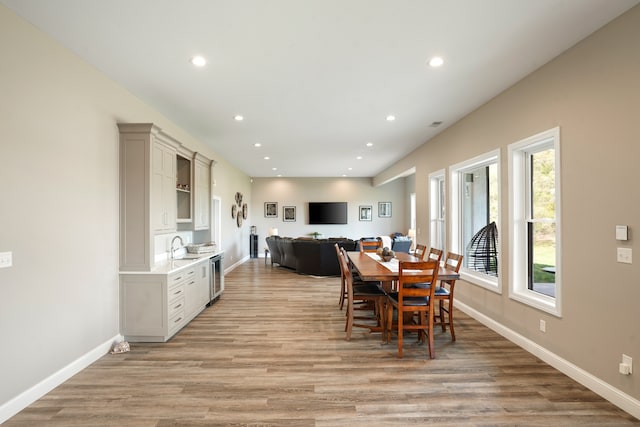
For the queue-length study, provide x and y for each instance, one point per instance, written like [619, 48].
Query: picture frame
[289, 213]
[384, 209]
[366, 213]
[271, 209]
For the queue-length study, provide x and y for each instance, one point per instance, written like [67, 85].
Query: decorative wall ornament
[384, 209]
[289, 213]
[239, 211]
[365, 213]
[271, 209]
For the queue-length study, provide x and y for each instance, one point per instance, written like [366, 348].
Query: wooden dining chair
[369, 245]
[435, 254]
[444, 294]
[420, 251]
[368, 292]
[413, 299]
[343, 288]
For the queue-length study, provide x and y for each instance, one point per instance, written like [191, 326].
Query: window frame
[519, 216]
[491, 283]
[437, 204]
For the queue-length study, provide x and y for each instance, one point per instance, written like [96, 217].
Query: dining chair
[369, 245]
[444, 293]
[413, 299]
[420, 251]
[435, 254]
[368, 292]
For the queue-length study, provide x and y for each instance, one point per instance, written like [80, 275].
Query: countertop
[169, 266]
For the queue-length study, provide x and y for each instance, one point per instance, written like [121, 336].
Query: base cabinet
[154, 307]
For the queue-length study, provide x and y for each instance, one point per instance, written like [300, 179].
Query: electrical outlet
[543, 326]
[624, 255]
[6, 259]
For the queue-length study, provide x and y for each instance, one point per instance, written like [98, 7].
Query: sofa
[315, 257]
[401, 244]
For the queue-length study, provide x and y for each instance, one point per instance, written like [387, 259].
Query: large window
[534, 210]
[437, 236]
[475, 204]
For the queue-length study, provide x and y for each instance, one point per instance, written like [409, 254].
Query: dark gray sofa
[308, 256]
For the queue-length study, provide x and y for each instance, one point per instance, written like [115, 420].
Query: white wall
[357, 192]
[59, 205]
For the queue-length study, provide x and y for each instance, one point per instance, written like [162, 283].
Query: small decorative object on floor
[121, 347]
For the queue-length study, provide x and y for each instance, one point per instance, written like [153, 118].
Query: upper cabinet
[202, 192]
[162, 199]
[183, 189]
[162, 183]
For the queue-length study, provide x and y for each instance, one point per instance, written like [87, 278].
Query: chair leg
[342, 292]
[453, 334]
[432, 350]
[444, 326]
[400, 330]
[348, 327]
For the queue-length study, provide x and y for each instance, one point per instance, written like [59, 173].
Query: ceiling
[316, 79]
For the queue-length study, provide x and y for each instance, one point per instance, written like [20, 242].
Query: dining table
[371, 268]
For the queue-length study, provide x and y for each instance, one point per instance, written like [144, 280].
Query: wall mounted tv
[327, 212]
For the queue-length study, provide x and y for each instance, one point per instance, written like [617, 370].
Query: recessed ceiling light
[274, 169]
[391, 118]
[369, 144]
[267, 157]
[257, 145]
[344, 175]
[350, 169]
[436, 61]
[279, 175]
[238, 118]
[359, 158]
[198, 61]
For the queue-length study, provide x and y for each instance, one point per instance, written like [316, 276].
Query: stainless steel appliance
[216, 283]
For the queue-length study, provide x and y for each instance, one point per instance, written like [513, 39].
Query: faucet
[172, 242]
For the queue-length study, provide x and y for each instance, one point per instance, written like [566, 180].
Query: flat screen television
[327, 212]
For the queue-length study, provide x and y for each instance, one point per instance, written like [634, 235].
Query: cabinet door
[163, 202]
[202, 195]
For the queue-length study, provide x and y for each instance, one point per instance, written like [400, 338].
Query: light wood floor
[272, 352]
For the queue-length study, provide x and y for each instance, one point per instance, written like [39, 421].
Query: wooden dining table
[371, 269]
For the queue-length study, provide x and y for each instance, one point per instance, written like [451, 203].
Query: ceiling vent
[435, 124]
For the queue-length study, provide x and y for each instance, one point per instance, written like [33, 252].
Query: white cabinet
[201, 192]
[147, 192]
[154, 307]
[183, 188]
[197, 289]
[163, 200]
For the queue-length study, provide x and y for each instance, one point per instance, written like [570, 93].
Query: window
[534, 165]
[437, 236]
[475, 207]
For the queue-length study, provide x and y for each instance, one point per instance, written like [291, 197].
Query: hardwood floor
[272, 352]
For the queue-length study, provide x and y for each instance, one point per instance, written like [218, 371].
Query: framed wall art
[289, 213]
[271, 209]
[365, 213]
[384, 209]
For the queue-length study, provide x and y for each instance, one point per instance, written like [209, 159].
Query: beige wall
[357, 192]
[59, 203]
[592, 92]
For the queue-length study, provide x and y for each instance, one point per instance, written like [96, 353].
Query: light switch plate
[6, 259]
[622, 232]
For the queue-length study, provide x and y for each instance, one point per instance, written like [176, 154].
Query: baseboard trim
[26, 398]
[235, 265]
[607, 391]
